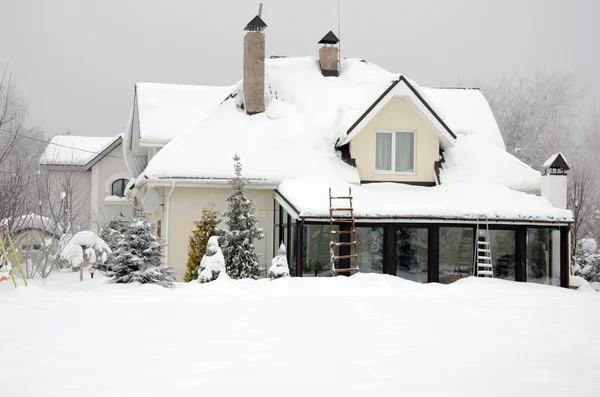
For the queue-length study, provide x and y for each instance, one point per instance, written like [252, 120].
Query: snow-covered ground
[368, 335]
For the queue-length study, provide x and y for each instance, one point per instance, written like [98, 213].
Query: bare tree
[17, 158]
[534, 114]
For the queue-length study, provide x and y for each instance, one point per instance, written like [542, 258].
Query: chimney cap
[329, 38]
[256, 25]
[557, 161]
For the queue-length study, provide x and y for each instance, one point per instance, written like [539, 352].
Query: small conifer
[241, 259]
[206, 227]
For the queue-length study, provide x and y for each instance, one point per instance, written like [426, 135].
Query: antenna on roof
[339, 36]
[260, 10]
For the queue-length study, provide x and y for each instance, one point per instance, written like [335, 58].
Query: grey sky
[76, 62]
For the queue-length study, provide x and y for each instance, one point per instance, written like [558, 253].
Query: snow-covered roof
[295, 136]
[72, 150]
[31, 222]
[310, 199]
[308, 115]
[167, 110]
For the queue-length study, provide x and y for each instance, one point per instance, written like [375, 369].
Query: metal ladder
[483, 254]
[342, 215]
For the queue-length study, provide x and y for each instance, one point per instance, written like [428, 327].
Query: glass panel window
[543, 256]
[411, 254]
[118, 187]
[404, 151]
[383, 151]
[395, 151]
[369, 246]
[502, 243]
[456, 253]
[315, 261]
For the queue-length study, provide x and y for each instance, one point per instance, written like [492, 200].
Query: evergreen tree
[206, 227]
[138, 257]
[112, 234]
[279, 267]
[241, 259]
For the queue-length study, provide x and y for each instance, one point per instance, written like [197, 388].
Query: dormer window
[395, 152]
[118, 187]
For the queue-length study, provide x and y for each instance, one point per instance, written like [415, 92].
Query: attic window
[395, 151]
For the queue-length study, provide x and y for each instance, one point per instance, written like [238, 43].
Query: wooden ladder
[342, 215]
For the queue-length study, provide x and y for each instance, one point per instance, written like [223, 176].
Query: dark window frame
[123, 184]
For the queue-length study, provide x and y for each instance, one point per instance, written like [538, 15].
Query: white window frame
[393, 148]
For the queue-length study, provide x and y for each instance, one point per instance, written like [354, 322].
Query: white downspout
[166, 213]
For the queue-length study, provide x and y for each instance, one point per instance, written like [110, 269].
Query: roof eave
[208, 183]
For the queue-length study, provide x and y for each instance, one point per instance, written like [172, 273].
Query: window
[456, 253]
[395, 151]
[411, 254]
[118, 187]
[543, 256]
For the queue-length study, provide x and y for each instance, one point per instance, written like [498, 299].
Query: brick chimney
[254, 66]
[554, 180]
[328, 55]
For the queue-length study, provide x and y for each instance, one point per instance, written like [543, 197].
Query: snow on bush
[205, 228]
[213, 263]
[241, 259]
[279, 267]
[138, 258]
[82, 249]
[586, 261]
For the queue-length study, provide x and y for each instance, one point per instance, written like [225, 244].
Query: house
[87, 180]
[427, 168]
[33, 237]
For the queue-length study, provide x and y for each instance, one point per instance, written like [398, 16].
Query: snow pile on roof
[467, 112]
[479, 155]
[166, 110]
[74, 150]
[474, 160]
[448, 201]
[294, 137]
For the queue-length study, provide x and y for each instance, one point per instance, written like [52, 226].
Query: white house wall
[186, 205]
[397, 115]
[111, 168]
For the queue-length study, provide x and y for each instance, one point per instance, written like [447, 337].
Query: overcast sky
[76, 62]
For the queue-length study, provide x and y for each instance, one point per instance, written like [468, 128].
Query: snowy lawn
[369, 335]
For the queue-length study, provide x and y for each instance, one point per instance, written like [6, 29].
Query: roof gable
[399, 87]
[78, 151]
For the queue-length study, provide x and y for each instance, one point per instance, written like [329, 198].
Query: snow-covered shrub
[586, 261]
[213, 263]
[279, 267]
[241, 259]
[206, 227]
[83, 249]
[138, 257]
